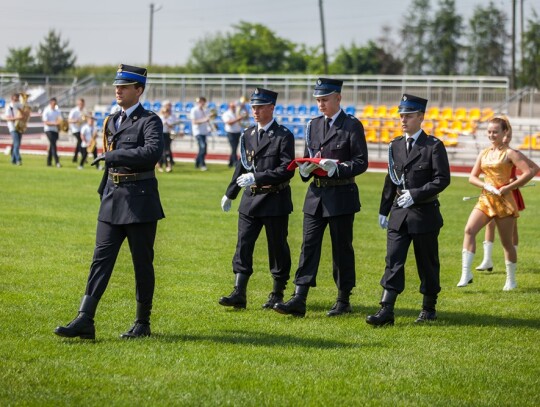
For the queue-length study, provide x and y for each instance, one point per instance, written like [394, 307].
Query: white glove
[245, 180]
[492, 189]
[306, 168]
[405, 200]
[226, 203]
[329, 165]
[383, 221]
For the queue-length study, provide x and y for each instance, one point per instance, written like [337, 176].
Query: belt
[329, 182]
[425, 201]
[266, 189]
[138, 176]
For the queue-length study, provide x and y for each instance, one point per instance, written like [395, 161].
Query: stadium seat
[350, 110]
[371, 135]
[393, 112]
[2, 103]
[487, 114]
[156, 106]
[447, 113]
[381, 111]
[178, 107]
[475, 114]
[298, 131]
[188, 106]
[284, 120]
[302, 110]
[432, 113]
[187, 128]
[314, 110]
[368, 111]
[460, 114]
[147, 105]
[291, 110]
[223, 107]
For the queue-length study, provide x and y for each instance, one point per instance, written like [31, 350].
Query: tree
[53, 55]
[212, 54]
[367, 60]
[443, 43]
[530, 75]
[21, 61]
[487, 39]
[415, 34]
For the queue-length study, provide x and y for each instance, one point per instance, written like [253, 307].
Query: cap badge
[319, 82]
[256, 91]
[404, 98]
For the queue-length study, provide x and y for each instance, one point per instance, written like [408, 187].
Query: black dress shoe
[385, 316]
[138, 330]
[273, 299]
[82, 327]
[237, 299]
[339, 308]
[296, 306]
[426, 316]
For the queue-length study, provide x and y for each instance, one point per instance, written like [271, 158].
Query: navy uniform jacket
[271, 157]
[138, 147]
[427, 173]
[345, 142]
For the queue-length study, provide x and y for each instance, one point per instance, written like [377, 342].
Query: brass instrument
[212, 114]
[25, 110]
[63, 125]
[242, 111]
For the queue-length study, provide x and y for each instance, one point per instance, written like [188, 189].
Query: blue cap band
[131, 76]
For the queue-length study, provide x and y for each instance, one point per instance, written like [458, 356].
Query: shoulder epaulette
[397, 138]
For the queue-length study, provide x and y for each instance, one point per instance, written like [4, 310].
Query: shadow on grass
[449, 318]
[261, 339]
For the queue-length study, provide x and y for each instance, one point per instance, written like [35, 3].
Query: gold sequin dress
[497, 169]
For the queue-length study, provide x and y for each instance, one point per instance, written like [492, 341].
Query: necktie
[410, 140]
[121, 120]
[261, 133]
[327, 125]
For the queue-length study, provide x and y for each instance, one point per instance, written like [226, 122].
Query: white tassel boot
[466, 264]
[510, 276]
[487, 262]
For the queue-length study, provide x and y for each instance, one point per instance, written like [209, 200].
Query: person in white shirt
[76, 120]
[201, 129]
[88, 141]
[13, 112]
[52, 117]
[169, 121]
[233, 129]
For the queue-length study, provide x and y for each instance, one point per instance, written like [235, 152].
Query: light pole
[152, 11]
[323, 37]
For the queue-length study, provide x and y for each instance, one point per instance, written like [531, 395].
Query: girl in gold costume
[496, 200]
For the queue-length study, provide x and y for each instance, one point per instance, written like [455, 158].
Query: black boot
[296, 305]
[141, 327]
[428, 312]
[342, 305]
[385, 316]
[237, 299]
[276, 296]
[83, 325]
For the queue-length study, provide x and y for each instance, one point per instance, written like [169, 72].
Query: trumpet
[21, 124]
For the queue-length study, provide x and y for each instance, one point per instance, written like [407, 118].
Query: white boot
[487, 262]
[510, 276]
[466, 264]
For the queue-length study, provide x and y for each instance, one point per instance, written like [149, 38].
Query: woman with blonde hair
[496, 200]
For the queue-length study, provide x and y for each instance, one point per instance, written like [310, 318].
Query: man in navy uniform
[130, 205]
[331, 200]
[266, 148]
[418, 171]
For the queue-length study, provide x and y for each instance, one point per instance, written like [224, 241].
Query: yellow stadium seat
[460, 114]
[369, 111]
[371, 135]
[526, 144]
[432, 113]
[469, 127]
[487, 114]
[447, 113]
[381, 111]
[393, 113]
[475, 114]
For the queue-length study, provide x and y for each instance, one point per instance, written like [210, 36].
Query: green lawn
[482, 351]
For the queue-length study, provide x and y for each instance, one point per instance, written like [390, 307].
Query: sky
[110, 32]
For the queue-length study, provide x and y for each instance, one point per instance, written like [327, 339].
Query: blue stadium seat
[314, 110]
[291, 110]
[146, 104]
[211, 105]
[188, 107]
[297, 119]
[156, 106]
[223, 107]
[302, 110]
[298, 131]
[2, 103]
[284, 120]
[187, 128]
[178, 107]
[278, 110]
[350, 110]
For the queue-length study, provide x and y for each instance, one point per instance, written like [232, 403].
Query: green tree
[415, 34]
[53, 55]
[20, 60]
[487, 41]
[367, 60]
[530, 75]
[211, 54]
[443, 43]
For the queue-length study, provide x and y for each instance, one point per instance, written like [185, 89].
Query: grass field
[482, 351]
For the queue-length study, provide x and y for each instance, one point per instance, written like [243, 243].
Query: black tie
[122, 119]
[327, 125]
[410, 140]
[261, 133]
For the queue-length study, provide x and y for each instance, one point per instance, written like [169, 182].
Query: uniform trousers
[279, 254]
[52, 136]
[341, 234]
[109, 239]
[78, 148]
[426, 252]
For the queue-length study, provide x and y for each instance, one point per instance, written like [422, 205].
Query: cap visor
[321, 93]
[120, 82]
[260, 102]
